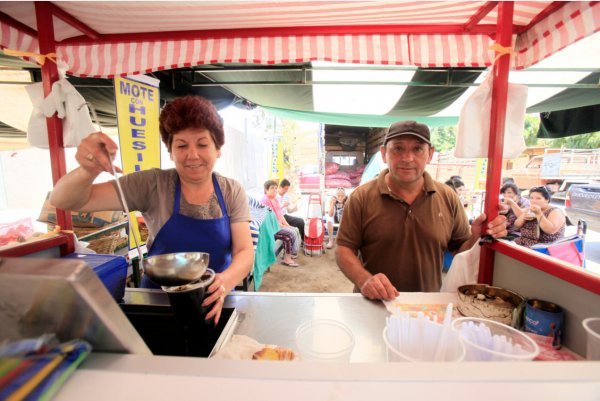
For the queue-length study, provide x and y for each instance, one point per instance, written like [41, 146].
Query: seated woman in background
[287, 234]
[456, 183]
[540, 223]
[512, 206]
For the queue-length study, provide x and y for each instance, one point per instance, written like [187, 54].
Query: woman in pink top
[287, 233]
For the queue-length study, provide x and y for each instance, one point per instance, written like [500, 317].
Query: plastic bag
[331, 168]
[463, 270]
[474, 122]
[17, 231]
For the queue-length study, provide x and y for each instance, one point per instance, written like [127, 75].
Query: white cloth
[68, 104]
[463, 270]
[472, 138]
[238, 347]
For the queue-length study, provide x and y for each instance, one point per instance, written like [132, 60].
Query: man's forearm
[351, 266]
[468, 244]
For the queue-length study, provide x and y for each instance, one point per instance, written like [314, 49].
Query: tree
[532, 124]
[443, 138]
[584, 141]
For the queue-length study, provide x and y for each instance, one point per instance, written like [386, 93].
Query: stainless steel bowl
[173, 269]
[488, 302]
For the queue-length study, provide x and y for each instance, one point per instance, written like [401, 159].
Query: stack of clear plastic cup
[324, 340]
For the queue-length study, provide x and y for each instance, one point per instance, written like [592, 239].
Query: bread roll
[274, 354]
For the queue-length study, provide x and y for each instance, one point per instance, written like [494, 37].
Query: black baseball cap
[408, 127]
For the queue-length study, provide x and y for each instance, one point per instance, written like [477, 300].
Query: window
[345, 160]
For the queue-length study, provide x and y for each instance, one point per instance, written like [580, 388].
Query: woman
[512, 206]
[288, 234]
[334, 214]
[541, 223]
[188, 208]
[457, 184]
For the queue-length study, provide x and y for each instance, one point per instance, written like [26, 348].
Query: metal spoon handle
[119, 188]
[126, 207]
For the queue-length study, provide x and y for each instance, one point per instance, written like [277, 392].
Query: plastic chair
[570, 249]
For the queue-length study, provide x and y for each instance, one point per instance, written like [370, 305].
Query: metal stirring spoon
[119, 188]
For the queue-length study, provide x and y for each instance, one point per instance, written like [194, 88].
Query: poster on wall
[137, 101]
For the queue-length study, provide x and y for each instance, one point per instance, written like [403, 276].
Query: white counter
[132, 377]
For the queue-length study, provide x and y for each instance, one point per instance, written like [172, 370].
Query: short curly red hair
[190, 112]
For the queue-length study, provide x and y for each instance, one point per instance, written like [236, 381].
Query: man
[288, 207]
[403, 221]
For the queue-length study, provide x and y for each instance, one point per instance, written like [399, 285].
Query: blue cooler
[111, 270]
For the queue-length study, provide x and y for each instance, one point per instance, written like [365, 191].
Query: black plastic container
[186, 301]
[165, 335]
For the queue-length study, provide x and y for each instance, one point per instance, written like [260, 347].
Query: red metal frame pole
[55, 130]
[497, 123]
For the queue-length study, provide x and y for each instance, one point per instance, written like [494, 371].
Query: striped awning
[107, 39]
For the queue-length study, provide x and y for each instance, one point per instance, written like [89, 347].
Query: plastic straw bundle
[481, 335]
[29, 371]
[487, 340]
[412, 337]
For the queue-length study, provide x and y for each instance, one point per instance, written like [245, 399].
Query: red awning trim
[131, 58]
[567, 25]
[451, 51]
[138, 54]
[12, 38]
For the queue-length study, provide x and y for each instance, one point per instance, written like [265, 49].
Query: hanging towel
[68, 104]
[474, 122]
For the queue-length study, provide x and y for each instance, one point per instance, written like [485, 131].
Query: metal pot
[176, 269]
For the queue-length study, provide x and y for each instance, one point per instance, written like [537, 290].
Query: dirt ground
[315, 274]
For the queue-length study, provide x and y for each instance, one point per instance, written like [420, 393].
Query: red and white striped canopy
[106, 39]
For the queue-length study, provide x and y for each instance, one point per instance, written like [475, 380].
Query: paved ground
[315, 274]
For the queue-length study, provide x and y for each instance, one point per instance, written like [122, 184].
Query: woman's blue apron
[186, 234]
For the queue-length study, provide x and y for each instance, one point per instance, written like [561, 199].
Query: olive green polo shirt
[405, 242]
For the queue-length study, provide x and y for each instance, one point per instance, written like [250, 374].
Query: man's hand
[496, 228]
[379, 287]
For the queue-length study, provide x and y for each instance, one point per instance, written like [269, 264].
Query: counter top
[273, 318]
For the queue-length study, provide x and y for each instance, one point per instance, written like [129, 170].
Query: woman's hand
[536, 210]
[96, 153]
[218, 290]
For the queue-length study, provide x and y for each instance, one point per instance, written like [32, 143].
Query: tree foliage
[444, 138]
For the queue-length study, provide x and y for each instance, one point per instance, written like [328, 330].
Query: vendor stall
[119, 38]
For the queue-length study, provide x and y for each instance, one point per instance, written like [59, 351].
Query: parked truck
[344, 152]
[558, 169]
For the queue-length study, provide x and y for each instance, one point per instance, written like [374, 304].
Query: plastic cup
[515, 346]
[424, 350]
[592, 328]
[324, 340]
